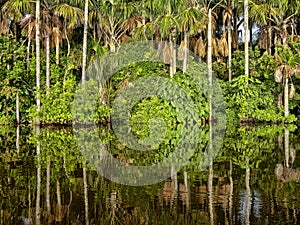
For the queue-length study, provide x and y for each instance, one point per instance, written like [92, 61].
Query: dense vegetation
[43, 57]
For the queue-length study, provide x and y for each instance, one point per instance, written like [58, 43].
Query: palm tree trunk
[209, 61]
[246, 36]
[229, 36]
[57, 49]
[186, 51]
[85, 31]
[286, 97]
[47, 64]
[172, 57]
[38, 58]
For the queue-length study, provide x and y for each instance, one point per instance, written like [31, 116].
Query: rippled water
[253, 180]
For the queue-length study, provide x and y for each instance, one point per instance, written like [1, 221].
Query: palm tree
[191, 21]
[227, 16]
[260, 12]
[288, 58]
[14, 10]
[167, 25]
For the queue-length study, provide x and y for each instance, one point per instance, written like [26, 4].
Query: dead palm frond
[200, 48]
[223, 46]
[181, 50]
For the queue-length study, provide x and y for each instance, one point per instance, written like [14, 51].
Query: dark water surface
[255, 179]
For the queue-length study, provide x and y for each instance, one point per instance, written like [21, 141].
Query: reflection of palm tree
[191, 21]
[38, 176]
[210, 192]
[248, 196]
[86, 200]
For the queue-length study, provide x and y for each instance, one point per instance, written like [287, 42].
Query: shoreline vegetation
[41, 71]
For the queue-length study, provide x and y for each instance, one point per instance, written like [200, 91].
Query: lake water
[254, 179]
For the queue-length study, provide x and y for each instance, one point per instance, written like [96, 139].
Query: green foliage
[14, 78]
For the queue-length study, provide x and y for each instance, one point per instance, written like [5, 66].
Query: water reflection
[254, 180]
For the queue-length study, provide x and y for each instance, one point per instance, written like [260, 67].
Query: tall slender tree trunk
[286, 97]
[47, 64]
[246, 36]
[229, 37]
[57, 48]
[186, 51]
[209, 61]
[85, 31]
[38, 59]
[172, 56]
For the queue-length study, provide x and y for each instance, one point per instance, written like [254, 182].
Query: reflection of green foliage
[251, 144]
[60, 147]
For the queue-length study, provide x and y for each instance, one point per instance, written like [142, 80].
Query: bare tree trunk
[209, 63]
[85, 31]
[286, 97]
[229, 48]
[47, 64]
[186, 51]
[38, 59]
[246, 36]
[172, 56]
[57, 48]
